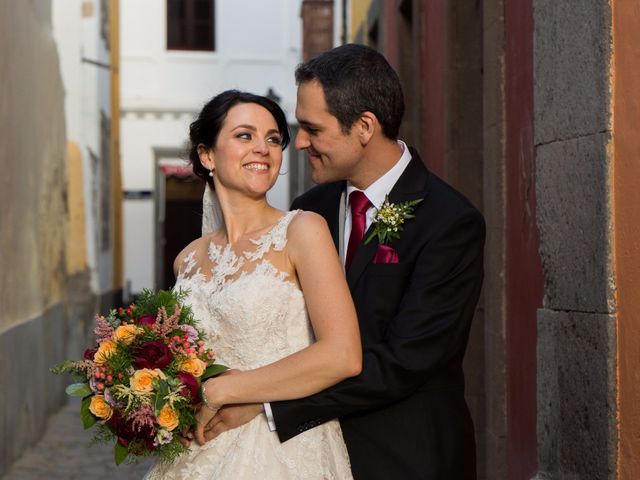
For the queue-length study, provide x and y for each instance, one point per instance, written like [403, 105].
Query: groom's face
[332, 154]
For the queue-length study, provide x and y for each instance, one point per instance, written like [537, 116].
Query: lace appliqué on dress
[276, 237]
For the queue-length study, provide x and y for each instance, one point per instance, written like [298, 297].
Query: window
[190, 25]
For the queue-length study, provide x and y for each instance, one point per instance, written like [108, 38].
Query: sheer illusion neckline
[225, 264]
[255, 239]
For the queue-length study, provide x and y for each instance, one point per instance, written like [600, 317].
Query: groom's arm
[430, 328]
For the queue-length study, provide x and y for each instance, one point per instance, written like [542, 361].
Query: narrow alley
[65, 453]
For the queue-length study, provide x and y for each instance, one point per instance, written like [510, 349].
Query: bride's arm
[337, 352]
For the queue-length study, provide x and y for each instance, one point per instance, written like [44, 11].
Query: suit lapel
[411, 185]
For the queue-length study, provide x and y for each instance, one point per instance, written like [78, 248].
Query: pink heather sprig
[103, 330]
[142, 417]
[165, 324]
[88, 366]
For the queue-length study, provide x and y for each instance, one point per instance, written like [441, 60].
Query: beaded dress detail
[253, 315]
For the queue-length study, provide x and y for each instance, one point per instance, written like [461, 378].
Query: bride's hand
[203, 417]
[230, 417]
[207, 411]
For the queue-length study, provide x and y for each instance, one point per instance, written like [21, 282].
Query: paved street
[64, 453]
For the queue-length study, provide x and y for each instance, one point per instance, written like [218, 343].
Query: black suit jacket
[405, 415]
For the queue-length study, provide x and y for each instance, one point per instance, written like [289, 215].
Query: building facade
[168, 74]
[59, 239]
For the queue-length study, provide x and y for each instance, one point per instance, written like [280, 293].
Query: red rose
[190, 387]
[146, 320]
[152, 355]
[123, 429]
[89, 353]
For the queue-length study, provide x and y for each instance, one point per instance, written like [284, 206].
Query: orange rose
[194, 366]
[105, 350]
[100, 408]
[168, 418]
[142, 380]
[125, 333]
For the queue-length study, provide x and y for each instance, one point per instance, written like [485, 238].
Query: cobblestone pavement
[64, 453]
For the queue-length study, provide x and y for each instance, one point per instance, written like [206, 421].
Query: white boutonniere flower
[389, 220]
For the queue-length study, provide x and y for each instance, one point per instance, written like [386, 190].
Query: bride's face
[248, 154]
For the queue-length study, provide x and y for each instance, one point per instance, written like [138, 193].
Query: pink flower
[192, 333]
[103, 330]
[141, 418]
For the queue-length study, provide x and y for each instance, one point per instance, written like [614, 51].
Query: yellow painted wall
[33, 183]
[359, 10]
[76, 246]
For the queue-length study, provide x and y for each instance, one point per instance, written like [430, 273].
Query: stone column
[576, 355]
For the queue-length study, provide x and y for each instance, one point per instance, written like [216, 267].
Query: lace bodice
[253, 314]
[244, 299]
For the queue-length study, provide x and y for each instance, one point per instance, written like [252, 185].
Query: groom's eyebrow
[306, 123]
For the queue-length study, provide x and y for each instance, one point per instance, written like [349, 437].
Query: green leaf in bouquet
[212, 371]
[120, 453]
[158, 402]
[78, 390]
[88, 418]
[160, 399]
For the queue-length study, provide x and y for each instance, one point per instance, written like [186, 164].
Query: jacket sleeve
[428, 332]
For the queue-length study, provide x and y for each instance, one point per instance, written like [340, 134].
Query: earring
[211, 172]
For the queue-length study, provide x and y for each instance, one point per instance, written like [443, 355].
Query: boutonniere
[389, 220]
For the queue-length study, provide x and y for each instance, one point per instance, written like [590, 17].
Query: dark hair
[357, 79]
[206, 128]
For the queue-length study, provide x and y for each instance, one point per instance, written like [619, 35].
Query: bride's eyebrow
[248, 127]
[254, 129]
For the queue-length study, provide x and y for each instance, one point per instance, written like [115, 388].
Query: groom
[405, 415]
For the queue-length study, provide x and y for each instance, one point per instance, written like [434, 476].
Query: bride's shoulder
[307, 227]
[305, 221]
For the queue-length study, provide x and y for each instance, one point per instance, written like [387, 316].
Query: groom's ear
[206, 157]
[366, 125]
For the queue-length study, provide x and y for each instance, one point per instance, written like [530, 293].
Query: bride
[270, 293]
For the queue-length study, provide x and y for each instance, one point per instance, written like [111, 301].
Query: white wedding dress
[253, 315]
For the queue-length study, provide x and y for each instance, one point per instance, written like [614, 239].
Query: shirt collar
[378, 190]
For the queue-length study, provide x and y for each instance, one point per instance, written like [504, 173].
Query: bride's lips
[256, 166]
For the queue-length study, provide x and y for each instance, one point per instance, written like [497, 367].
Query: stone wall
[577, 433]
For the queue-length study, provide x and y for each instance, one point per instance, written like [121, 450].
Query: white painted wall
[258, 45]
[76, 28]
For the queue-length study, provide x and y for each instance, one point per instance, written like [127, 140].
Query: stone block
[572, 57]
[573, 211]
[576, 395]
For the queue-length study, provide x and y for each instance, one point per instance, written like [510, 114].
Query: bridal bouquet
[140, 382]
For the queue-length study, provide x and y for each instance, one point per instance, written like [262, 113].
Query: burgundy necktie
[359, 205]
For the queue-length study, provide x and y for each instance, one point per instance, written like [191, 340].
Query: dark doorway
[182, 219]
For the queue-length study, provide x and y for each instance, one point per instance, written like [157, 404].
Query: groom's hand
[230, 417]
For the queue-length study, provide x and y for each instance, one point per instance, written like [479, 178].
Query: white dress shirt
[376, 193]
